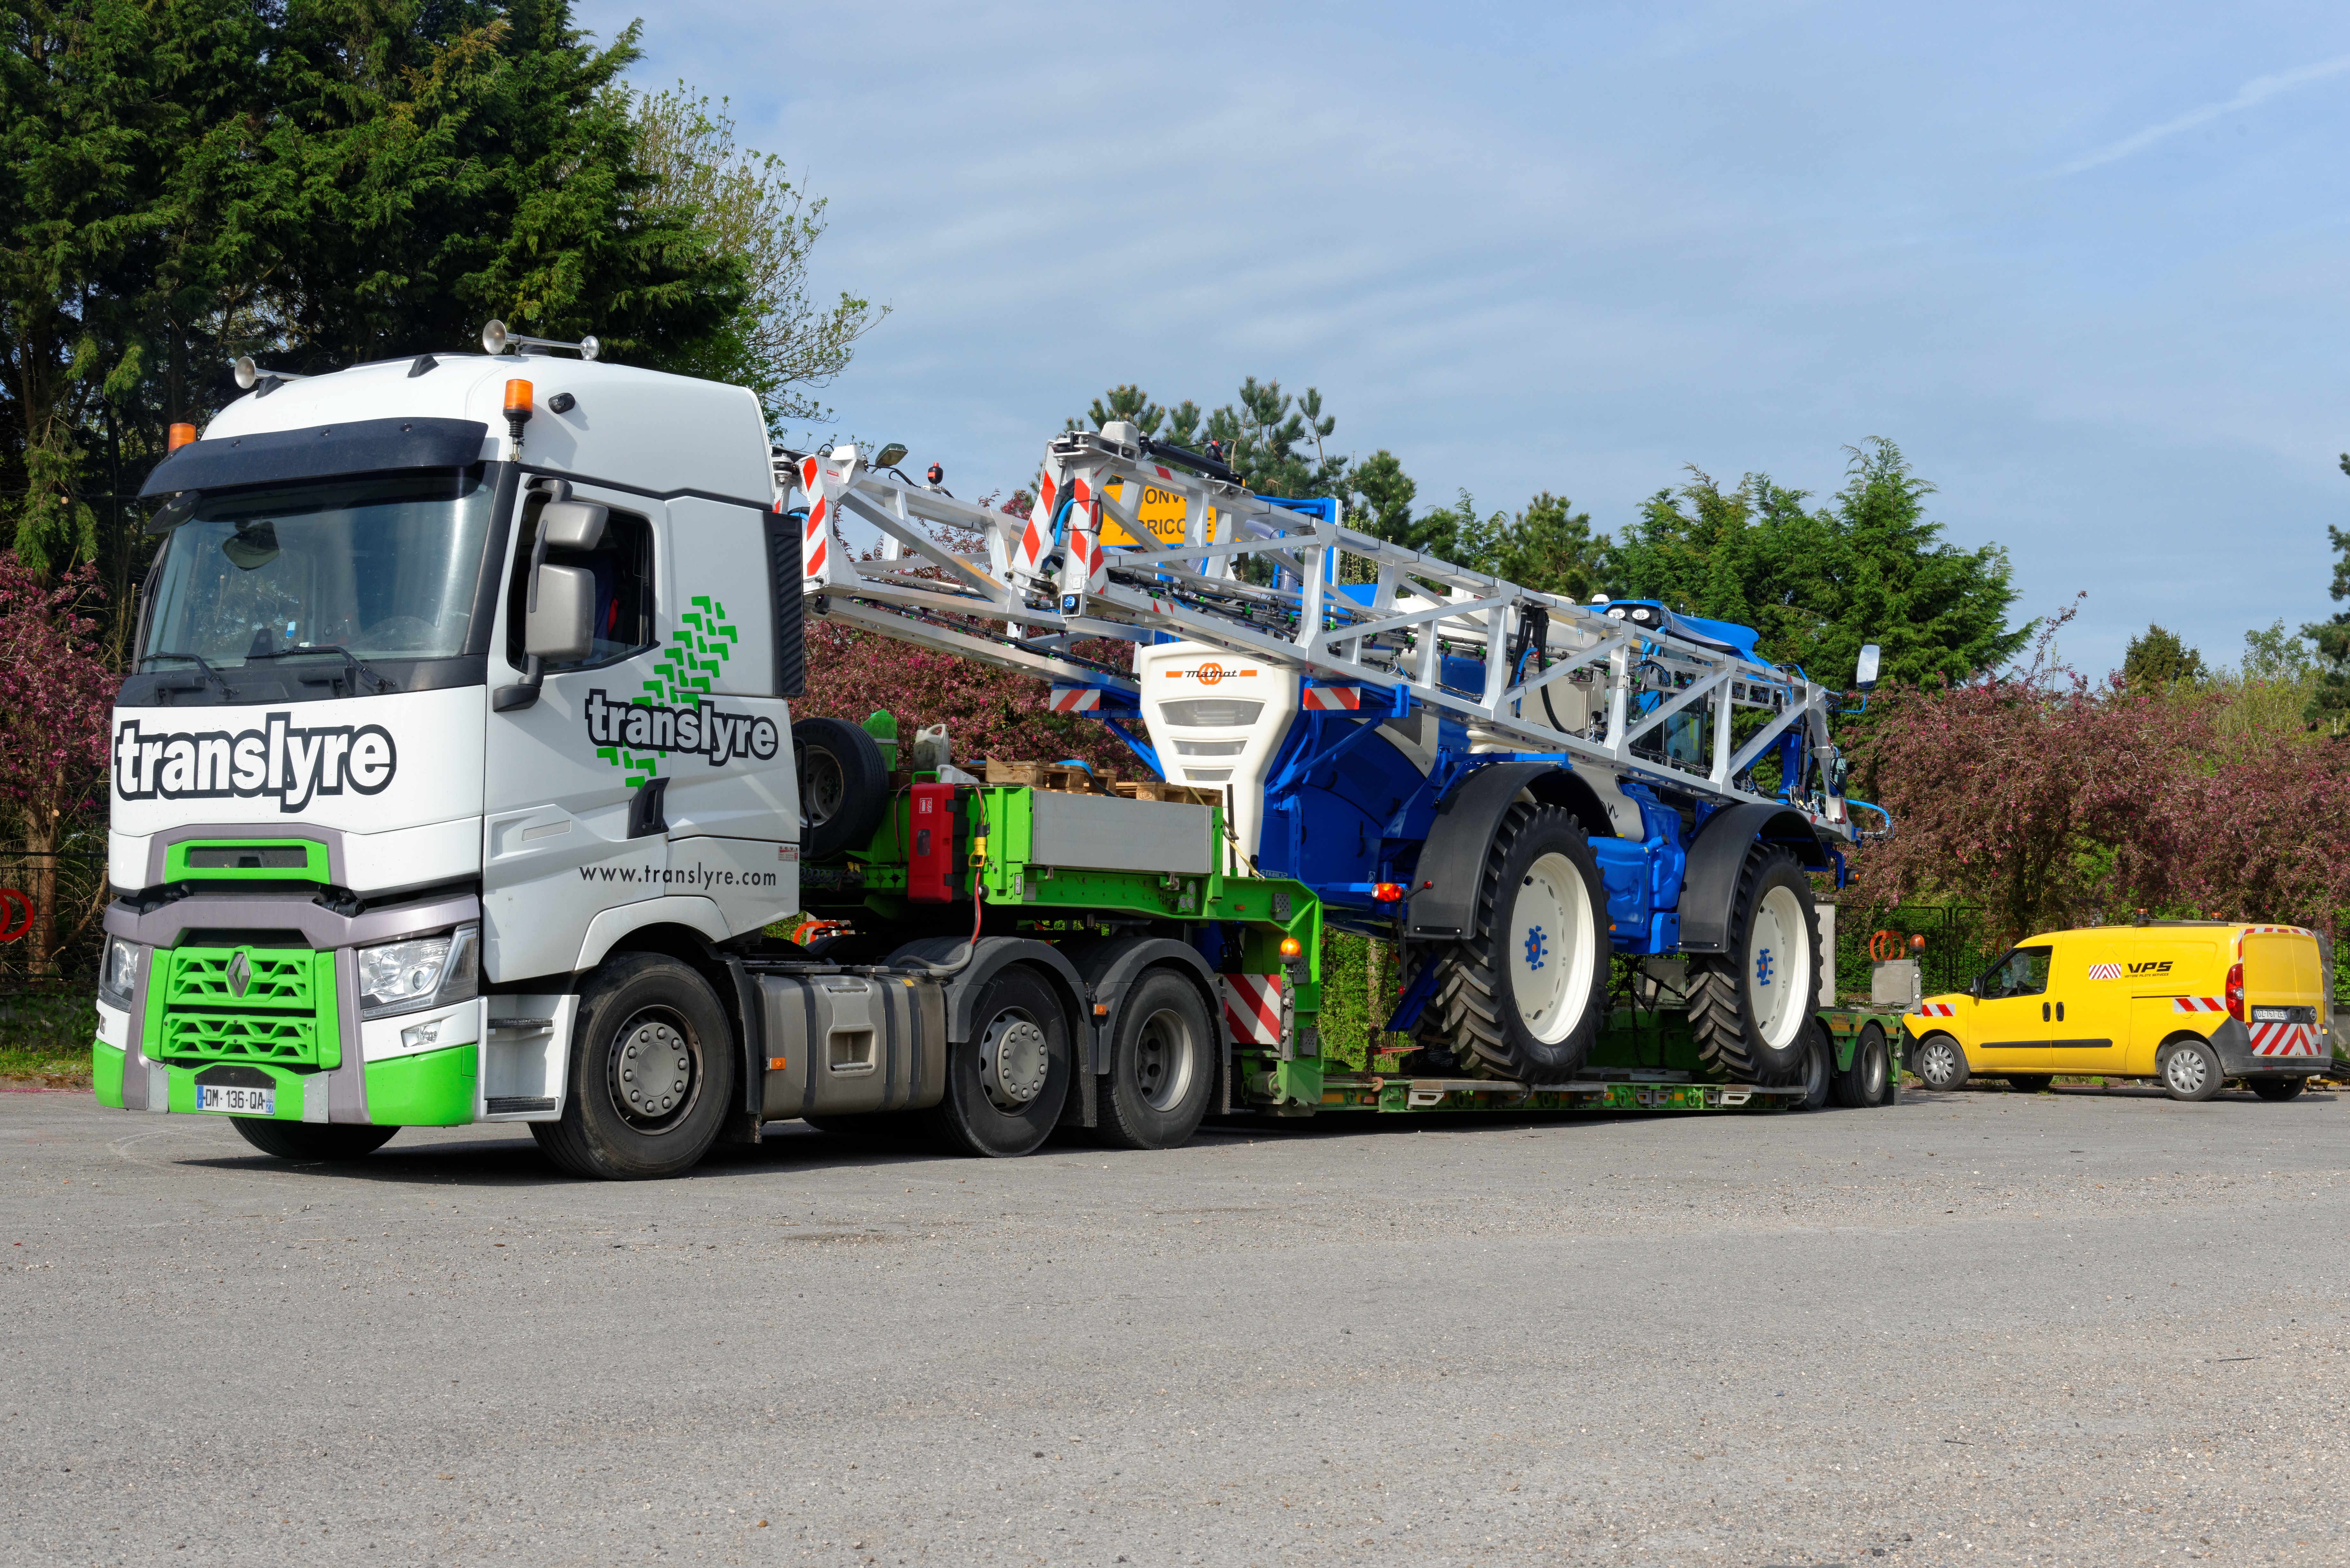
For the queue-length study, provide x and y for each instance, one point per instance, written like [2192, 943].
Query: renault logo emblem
[240, 974]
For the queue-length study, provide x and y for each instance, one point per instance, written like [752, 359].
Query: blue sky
[2083, 262]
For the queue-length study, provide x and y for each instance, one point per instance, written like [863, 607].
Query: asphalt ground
[2083, 1328]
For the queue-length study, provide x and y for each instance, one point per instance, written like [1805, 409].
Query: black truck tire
[1007, 1084]
[844, 786]
[652, 1072]
[313, 1140]
[1868, 1083]
[1818, 1078]
[1526, 995]
[1749, 1007]
[2030, 1082]
[1162, 1065]
[2278, 1089]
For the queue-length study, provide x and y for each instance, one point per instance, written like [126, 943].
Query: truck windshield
[379, 567]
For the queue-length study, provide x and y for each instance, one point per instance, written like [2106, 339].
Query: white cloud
[2253, 93]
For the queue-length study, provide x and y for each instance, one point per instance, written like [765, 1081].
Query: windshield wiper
[350, 660]
[214, 676]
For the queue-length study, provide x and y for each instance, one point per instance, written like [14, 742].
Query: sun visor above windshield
[321, 451]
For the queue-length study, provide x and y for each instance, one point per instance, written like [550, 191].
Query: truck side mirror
[1974, 988]
[1865, 675]
[572, 525]
[561, 626]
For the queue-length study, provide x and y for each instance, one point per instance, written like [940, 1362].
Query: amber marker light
[1290, 947]
[517, 410]
[180, 435]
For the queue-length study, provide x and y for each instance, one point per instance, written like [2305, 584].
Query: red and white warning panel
[1076, 699]
[2285, 1039]
[1332, 698]
[1253, 1008]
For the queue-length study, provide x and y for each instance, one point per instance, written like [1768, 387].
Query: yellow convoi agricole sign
[1161, 512]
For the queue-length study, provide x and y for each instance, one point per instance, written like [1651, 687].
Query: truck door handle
[2060, 1012]
[2044, 1013]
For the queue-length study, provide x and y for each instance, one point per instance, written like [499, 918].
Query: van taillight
[2236, 992]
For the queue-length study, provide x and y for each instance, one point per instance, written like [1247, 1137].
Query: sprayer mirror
[1865, 677]
[891, 455]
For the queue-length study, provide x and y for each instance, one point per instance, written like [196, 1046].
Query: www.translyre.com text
[678, 876]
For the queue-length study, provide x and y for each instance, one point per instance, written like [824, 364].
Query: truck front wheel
[652, 1072]
[1006, 1084]
[1750, 1007]
[323, 1140]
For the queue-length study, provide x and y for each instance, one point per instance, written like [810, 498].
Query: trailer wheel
[1819, 1068]
[1867, 1084]
[1162, 1065]
[330, 1140]
[1524, 998]
[2278, 1088]
[1940, 1064]
[1006, 1085]
[844, 786]
[1748, 1008]
[652, 1072]
[2190, 1069]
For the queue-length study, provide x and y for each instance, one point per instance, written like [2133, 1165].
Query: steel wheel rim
[1778, 966]
[2187, 1070]
[823, 786]
[1935, 1062]
[655, 1071]
[1872, 1069]
[1551, 932]
[1163, 1060]
[1015, 1059]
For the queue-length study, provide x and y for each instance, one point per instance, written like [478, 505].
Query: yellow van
[2192, 1003]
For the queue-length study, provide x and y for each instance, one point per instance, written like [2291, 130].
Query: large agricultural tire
[321, 1141]
[844, 786]
[1526, 995]
[1006, 1085]
[1162, 1065]
[1749, 1008]
[652, 1073]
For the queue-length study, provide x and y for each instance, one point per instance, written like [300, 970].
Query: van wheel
[652, 1072]
[844, 786]
[1868, 1083]
[1819, 1068]
[1940, 1063]
[1006, 1084]
[1750, 1007]
[2190, 1069]
[2030, 1082]
[1162, 1065]
[2278, 1088]
[347, 1140]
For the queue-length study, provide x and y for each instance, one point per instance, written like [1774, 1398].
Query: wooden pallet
[1152, 789]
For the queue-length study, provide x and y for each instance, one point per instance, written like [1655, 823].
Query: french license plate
[237, 1102]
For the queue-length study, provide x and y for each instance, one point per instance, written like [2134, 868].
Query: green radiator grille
[248, 1004]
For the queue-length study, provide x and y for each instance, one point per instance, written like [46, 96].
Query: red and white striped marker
[1075, 699]
[2284, 1040]
[1332, 698]
[1040, 525]
[1937, 1010]
[2197, 1005]
[1253, 1008]
[815, 538]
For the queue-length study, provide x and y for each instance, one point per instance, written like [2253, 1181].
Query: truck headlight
[117, 970]
[423, 971]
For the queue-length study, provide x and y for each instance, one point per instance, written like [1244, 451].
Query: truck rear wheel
[1866, 1083]
[1525, 997]
[1006, 1084]
[844, 786]
[328, 1140]
[1818, 1068]
[652, 1072]
[1162, 1065]
[1749, 1008]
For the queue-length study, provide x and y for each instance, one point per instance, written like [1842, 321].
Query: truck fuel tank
[842, 1044]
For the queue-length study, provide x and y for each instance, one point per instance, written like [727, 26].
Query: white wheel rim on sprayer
[1779, 966]
[1550, 935]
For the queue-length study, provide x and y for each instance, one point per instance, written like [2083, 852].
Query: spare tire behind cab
[844, 786]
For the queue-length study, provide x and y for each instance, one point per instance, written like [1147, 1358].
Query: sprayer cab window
[622, 565]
